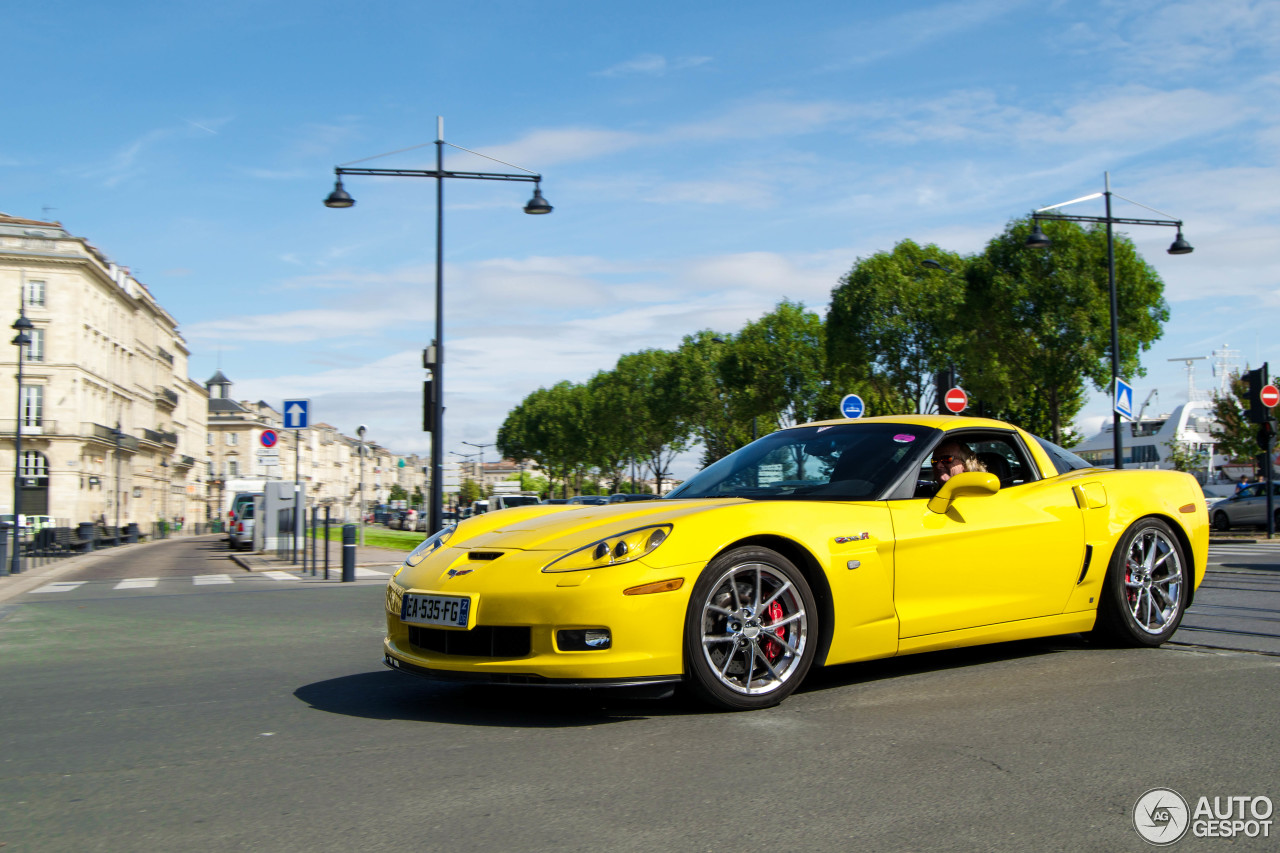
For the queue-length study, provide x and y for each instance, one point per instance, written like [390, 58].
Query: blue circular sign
[851, 406]
[269, 438]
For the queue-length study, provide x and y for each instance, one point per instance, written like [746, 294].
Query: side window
[997, 453]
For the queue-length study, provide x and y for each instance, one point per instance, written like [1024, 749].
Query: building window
[35, 293]
[208, 439]
[208, 463]
[35, 351]
[34, 464]
[32, 405]
[233, 439]
[233, 468]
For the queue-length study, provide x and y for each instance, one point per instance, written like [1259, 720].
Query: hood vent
[483, 555]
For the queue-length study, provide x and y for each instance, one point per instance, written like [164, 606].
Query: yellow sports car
[827, 543]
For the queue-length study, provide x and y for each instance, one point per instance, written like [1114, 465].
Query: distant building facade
[112, 427]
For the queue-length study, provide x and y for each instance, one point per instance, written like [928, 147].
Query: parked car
[241, 532]
[622, 497]
[594, 500]
[30, 523]
[556, 501]
[1246, 508]
[821, 544]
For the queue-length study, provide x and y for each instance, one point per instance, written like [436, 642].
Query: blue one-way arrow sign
[296, 414]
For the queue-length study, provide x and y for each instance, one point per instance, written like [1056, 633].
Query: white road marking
[137, 583]
[280, 576]
[59, 586]
[367, 573]
[205, 580]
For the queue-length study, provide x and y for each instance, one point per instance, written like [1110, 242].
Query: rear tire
[1221, 522]
[751, 630]
[1145, 591]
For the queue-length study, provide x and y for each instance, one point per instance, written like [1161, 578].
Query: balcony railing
[166, 396]
[107, 435]
[43, 427]
[164, 354]
[186, 462]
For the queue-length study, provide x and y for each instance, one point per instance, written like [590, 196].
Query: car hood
[562, 527]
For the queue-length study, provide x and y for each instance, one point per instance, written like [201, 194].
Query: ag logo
[1161, 816]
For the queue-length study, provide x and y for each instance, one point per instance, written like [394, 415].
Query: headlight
[428, 547]
[622, 548]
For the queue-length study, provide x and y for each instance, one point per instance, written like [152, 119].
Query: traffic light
[1257, 379]
[428, 406]
[1267, 436]
[943, 381]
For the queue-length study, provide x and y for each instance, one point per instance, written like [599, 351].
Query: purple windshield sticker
[903, 438]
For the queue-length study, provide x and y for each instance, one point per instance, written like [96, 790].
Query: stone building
[112, 427]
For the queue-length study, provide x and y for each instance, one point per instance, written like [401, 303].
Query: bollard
[86, 535]
[326, 542]
[348, 553]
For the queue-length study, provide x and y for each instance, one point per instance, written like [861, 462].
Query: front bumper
[513, 596]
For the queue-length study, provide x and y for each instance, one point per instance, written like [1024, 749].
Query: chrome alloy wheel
[1153, 580]
[754, 629]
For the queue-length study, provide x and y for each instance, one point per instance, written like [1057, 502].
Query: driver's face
[947, 462]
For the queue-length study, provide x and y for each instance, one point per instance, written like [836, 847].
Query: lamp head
[1180, 246]
[1037, 240]
[537, 204]
[339, 197]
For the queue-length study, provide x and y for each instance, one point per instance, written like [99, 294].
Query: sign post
[297, 415]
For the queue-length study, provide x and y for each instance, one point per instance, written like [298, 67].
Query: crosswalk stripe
[59, 586]
[280, 576]
[370, 573]
[205, 580]
[137, 583]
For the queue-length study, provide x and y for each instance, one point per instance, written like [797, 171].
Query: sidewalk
[367, 557]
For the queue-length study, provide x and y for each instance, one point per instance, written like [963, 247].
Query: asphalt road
[255, 715]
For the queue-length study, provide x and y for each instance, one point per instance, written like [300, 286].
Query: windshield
[840, 462]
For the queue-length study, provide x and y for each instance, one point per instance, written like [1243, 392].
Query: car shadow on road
[388, 695]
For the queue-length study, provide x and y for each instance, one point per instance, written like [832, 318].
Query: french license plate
[417, 609]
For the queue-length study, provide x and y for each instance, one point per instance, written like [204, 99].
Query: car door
[1251, 508]
[1012, 555]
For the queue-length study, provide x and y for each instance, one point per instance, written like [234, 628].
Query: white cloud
[651, 65]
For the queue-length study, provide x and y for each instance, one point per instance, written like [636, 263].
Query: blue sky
[705, 161]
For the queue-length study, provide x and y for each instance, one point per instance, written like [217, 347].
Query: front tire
[751, 630]
[1146, 588]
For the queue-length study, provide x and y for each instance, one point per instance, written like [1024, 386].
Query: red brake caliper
[773, 650]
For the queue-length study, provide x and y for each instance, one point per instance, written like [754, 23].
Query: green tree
[654, 411]
[1037, 322]
[779, 366]
[469, 492]
[551, 427]
[416, 499]
[611, 443]
[715, 408]
[397, 493]
[1183, 458]
[893, 323]
[1234, 435]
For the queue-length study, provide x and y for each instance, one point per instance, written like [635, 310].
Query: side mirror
[970, 484]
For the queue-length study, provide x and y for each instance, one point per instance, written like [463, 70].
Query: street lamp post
[480, 448]
[434, 356]
[22, 340]
[119, 434]
[360, 431]
[1179, 246]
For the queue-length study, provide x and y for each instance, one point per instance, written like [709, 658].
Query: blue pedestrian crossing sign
[297, 414]
[1124, 399]
[851, 406]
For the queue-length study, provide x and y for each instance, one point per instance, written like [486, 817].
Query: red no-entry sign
[1269, 395]
[956, 400]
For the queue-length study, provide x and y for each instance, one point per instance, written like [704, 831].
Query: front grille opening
[483, 641]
